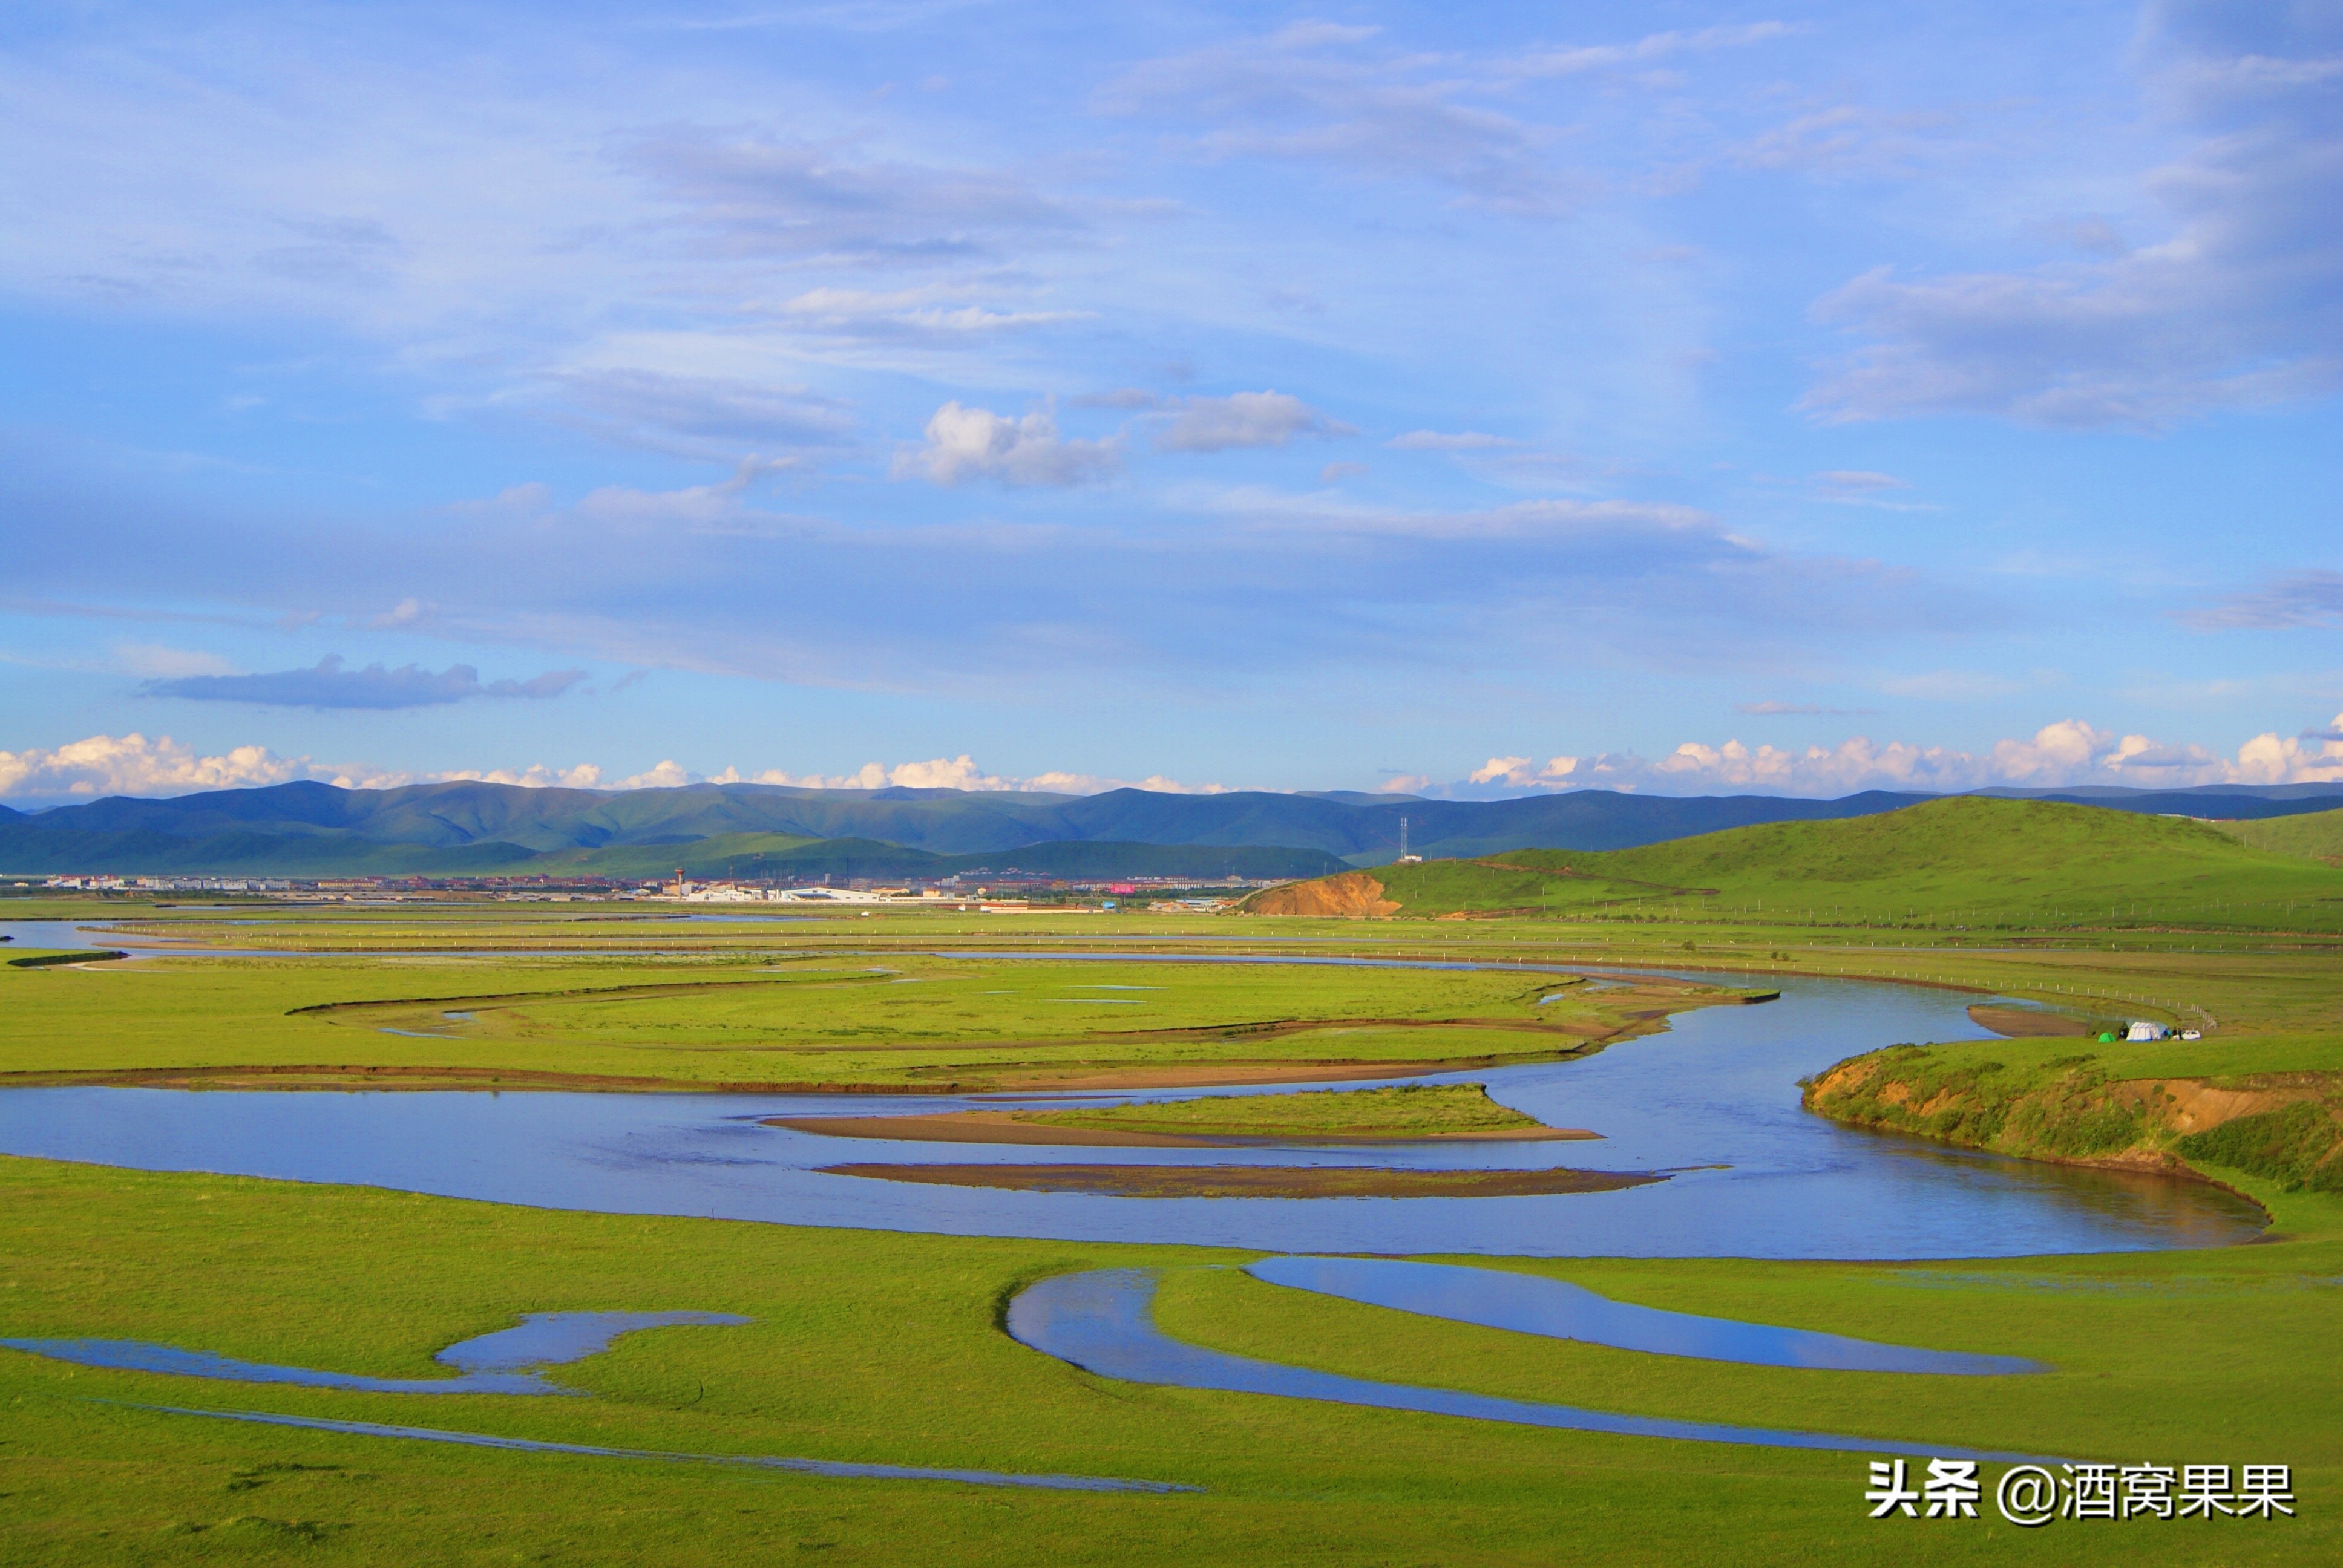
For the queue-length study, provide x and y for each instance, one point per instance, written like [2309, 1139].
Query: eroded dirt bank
[1352, 894]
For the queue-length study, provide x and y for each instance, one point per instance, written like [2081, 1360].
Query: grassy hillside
[2317, 837]
[1972, 862]
[27, 848]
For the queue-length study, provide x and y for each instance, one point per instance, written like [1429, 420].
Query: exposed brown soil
[1002, 1127]
[1349, 894]
[2026, 1022]
[1256, 1181]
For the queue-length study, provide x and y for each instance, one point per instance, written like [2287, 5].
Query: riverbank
[2270, 1107]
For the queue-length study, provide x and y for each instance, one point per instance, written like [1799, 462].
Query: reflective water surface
[1528, 1304]
[1715, 1099]
[1103, 1323]
[491, 1363]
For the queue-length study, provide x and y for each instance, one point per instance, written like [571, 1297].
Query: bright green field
[884, 1348]
[908, 1018]
[2313, 836]
[1978, 864]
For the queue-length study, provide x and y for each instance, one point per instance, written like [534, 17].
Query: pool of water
[499, 1362]
[1714, 1098]
[1103, 1323]
[1555, 1309]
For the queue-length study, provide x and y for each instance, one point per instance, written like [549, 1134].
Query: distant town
[1009, 891]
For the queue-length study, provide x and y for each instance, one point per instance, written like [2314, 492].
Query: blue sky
[1684, 397]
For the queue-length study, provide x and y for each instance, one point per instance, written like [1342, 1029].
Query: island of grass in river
[1456, 1112]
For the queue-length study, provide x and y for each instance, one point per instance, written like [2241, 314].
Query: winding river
[1713, 1100]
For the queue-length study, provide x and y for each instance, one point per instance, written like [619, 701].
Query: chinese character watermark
[2032, 1496]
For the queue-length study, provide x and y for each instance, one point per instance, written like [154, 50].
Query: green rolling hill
[2316, 837]
[1966, 862]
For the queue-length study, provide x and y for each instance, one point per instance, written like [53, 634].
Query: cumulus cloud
[964, 443]
[2067, 754]
[134, 765]
[1244, 420]
[961, 773]
[330, 685]
[2233, 308]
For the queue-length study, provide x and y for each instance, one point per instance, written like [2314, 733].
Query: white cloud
[925, 313]
[1860, 480]
[962, 773]
[2067, 754]
[134, 765]
[537, 776]
[965, 444]
[1244, 420]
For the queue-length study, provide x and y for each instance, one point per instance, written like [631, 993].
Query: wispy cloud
[2300, 599]
[1325, 94]
[2223, 312]
[1244, 420]
[1449, 441]
[331, 684]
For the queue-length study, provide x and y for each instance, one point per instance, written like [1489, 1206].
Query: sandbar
[1257, 1181]
[1002, 1127]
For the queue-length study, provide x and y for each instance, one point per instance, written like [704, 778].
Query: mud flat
[1256, 1181]
[2028, 1022]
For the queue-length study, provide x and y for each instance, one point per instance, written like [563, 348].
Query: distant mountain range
[756, 829]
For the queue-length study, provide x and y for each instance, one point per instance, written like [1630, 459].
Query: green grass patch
[1972, 862]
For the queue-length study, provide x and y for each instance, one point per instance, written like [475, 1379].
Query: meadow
[888, 1348]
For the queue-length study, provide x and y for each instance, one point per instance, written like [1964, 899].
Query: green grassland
[1977, 864]
[2314, 836]
[886, 1348]
[889, 1348]
[900, 1020]
[1413, 1111]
